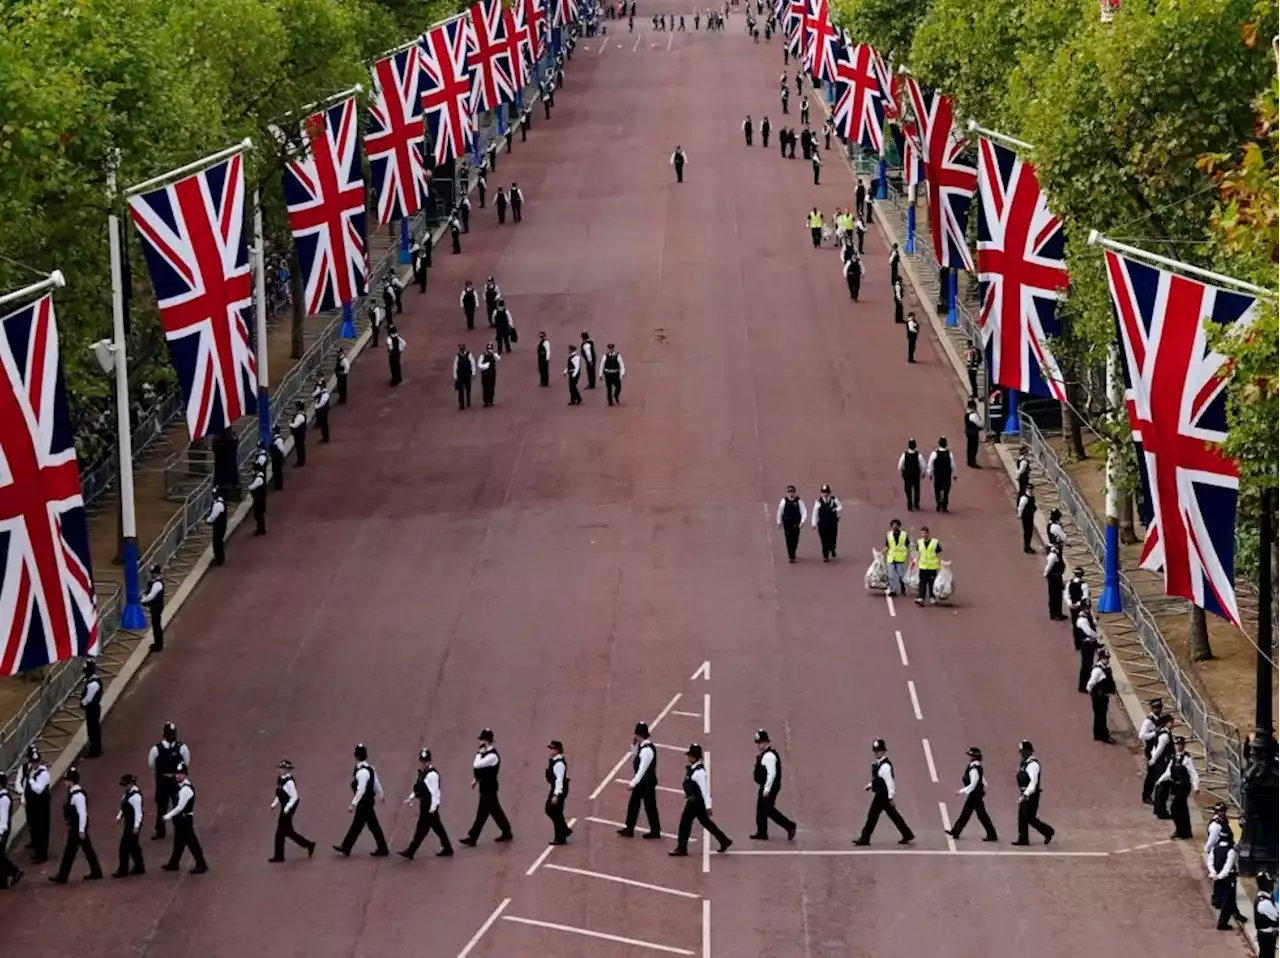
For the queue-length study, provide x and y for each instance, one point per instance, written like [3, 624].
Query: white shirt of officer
[769, 762]
[6, 811]
[37, 782]
[834, 502]
[78, 802]
[645, 751]
[366, 777]
[574, 368]
[344, 366]
[782, 505]
[1085, 624]
[133, 795]
[320, 396]
[1097, 675]
[938, 453]
[258, 481]
[299, 421]
[972, 777]
[558, 771]
[290, 789]
[430, 781]
[1033, 776]
[216, 511]
[884, 772]
[622, 367]
[92, 694]
[699, 776]
[395, 343]
[1184, 759]
[278, 441]
[186, 792]
[184, 753]
[487, 361]
[1149, 728]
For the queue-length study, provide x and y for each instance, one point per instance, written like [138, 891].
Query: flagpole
[394, 50]
[1001, 137]
[54, 280]
[164, 178]
[326, 102]
[131, 615]
[1098, 239]
[260, 302]
[1109, 601]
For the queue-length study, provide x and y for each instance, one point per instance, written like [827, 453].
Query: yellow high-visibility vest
[815, 221]
[928, 550]
[897, 550]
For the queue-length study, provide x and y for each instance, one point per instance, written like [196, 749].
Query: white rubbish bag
[877, 577]
[912, 578]
[945, 583]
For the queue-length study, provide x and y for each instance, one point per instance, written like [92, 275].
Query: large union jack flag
[822, 42]
[48, 609]
[194, 243]
[489, 57]
[396, 140]
[859, 109]
[1176, 392]
[796, 28]
[324, 193]
[446, 89]
[1022, 272]
[951, 181]
[531, 29]
[519, 45]
[565, 12]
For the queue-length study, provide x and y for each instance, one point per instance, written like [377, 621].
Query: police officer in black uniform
[37, 797]
[277, 460]
[258, 493]
[217, 522]
[974, 790]
[165, 757]
[298, 428]
[491, 296]
[1054, 568]
[184, 825]
[558, 793]
[544, 360]
[767, 775]
[10, 874]
[1224, 870]
[484, 770]
[1029, 789]
[468, 301]
[883, 791]
[1101, 686]
[588, 353]
[612, 369]
[697, 805]
[366, 789]
[320, 401]
[1264, 915]
[130, 818]
[76, 814]
[426, 794]
[287, 799]
[91, 703]
[910, 468]
[153, 599]
[643, 784]
[791, 516]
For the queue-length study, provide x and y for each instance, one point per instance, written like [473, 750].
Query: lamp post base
[1258, 846]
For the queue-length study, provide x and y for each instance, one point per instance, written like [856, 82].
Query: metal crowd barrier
[1219, 738]
[99, 479]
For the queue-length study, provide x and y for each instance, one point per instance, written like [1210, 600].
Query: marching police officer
[1223, 865]
[258, 493]
[826, 519]
[217, 522]
[572, 372]
[558, 780]
[484, 771]
[643, 784]
[36, 787]
[1026, 509]
[697, 805]
[767, 775]
[1101, 686]
[163, 759]
[883, 791]
[1053, 570]
[286, 799]
[1158, 762]
[974, 790]
[517, 198]
[395, 350]
[491, 296]
[366, 789]
[468, 301]
[10, 874]
[298, 428]
[910, 468]
[678, 160]
[76, 814]
[184, 825]
[942, 470]
[277, 459]
[1087, 637]
[320, 400]
[130, 818]
[612, 369]
[91, 703]
[1148, 731]
[426, 793]
[544, 360]
[464, 368]
[972, 434]
[420, 265]
[153, 599]
[1177, 783]
[1029, 789]
[588, 353]
[791, 517]
[487, 364]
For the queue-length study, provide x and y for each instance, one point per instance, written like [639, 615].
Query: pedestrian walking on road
[572, 372]
[747, 129]
[768, 778]
[816, 160]
[972, 435]
[1029, 786]
[500, 204]
[468, 300]
[464, 369]
[91, 705]
[1054, 568]
[298, 429]
[491, 296]
[130, 819]
[1087, 640]
[76, 814]
[395, 350]
[826, 519]
[544, 360]
[859, 206]
[1265, 915]
[258, 494]
[182, 815]
[216, 520]
[10, 874]
[814, 222]
[974, 789]
[910, 468]
[612, 369]
[484, 770]
[163, 759]
[517, 203]
[697, 805]
[913, 333]
[765, 128]
[421, 264]
[643, 784]
[791, 518]
[455, 234]
[942, 470]
[464, 219]
[426, 795]
[36, 787]
[853, 275]
[1101, 686]
[678, 160]
[1179, 781]
[558, 782]
[897, 551]
[487, 364]
[286, 800]
[366, 790]
[883, 791]
[860, 228]
[1026, 510]
[588, 353]
[928, 552]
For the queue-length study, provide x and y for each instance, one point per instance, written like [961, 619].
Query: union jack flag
[396, 138]
[446, 89]
[1176, 392]
[890, 86]
[531, 18]
[951, 182]
[1022, 272]
[565, 12]
[797, 28]
[48, 610]
[822, 43]
[194, 243]
[324, 193]
[489, 57]
[518, 44]
[859, 110]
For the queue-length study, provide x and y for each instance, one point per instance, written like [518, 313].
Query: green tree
[888, 25]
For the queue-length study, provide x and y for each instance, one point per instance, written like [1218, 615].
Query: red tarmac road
[561, 573]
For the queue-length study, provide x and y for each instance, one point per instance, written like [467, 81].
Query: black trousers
[75, 845]
[165, 795]
[646, 795]
[1180, 812]
[322, 422]
[975, 804]
[299, 449]
[544, 372]
[591, 373]
[93, 726]
[767, 811]
[502, 337]
[285, 829]
[679, 172]
[364, 817]
[502, 213]
[1029, 817]
[428, 822]
[791, 534]
[613, 388]
[457, 241]
[828, 533]
[1149, 780]
[8, 870]
[489, 807]
[748, 136]
[1160, 799]
[260, 515]
[1267, 945]
[1101, 733]
[815, 233]
[1028, 530]
[1224, 899]
[973, 382]
[220, 540]
[555, 811]
[470, 313]
[277, 473]
[422, 278]
[911, 486]
[911, 348]
[971, 441]
[488, 385]
[942, 494]
[130, 854]
[575, 397]
[39, 808]
[695, 811]
[463, 386]
[925, 589]
[517, 211]
[1088, 649]
[764, 139]
[1053, 584]
[816, 173]
[393, 361]
[184, 840]
[880, 805]
[342, 389]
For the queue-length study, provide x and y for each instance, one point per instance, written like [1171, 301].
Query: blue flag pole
[1012, 426]
[502, 119]
[404, 241]
[882, 176]
[953, 283]
[911, 226]
[348, 322]
[1109, 600]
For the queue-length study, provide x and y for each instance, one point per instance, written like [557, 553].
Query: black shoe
[119, 874]
[862, 842]
[199, 869]
[468, 841]
[759, 838]
[627, 832]
[169, 867]
[724, 845]
[344, 852]
[951, 832]
[674, 853]
[444, 853]
[652, 835]
[311, 850]
[791, 832]
[1048, 838]
[379, 853]
[991, 838]
[93, 876]
[15, 878]
[504, 837]
[406, 855]
[906, 840]
[57, 879]
[557, 841]
[157, 836]
[1019, 843]
[274, 859]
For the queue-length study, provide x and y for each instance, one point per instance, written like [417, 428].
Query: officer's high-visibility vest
[927, 550]
[815, 221]
[897, 550]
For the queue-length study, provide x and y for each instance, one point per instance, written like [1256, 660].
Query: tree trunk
[1128, 532]
[1198, 648]
[1071, 423]
[297, 325]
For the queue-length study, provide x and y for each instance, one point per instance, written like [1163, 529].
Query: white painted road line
[661, 788]
[669, 39]
[613, 772]
[915, 701]
[671, 748]
[928, 757]
[902, 646]
[605, 821]
[703, 671]
[946, 825]
[537, 862]
[706, 928]
[685, 714]
[622, 881]
[636, 46]
[706, 713]
[893, 613]
[488, 923]
[908, 852]
[665, 712]
[587, 932]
